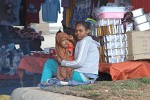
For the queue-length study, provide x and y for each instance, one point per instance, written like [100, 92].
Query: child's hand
[71, 37]
[70, 53]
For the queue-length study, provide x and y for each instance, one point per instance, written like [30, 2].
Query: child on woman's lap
[64, 49]
[86, 58]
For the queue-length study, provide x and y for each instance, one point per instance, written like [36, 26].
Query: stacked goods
[118, 40]
[148, 16]
[115, 48]
[141, 22]
[110, 30]
[138, 45]
[138, 40]
[109, 20]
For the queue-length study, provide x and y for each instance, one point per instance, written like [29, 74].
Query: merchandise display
[143, 26]
[141, 22]
[141, 19]
[122, 30]
[138, 12]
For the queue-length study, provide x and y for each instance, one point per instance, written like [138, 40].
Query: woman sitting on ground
[86, 58]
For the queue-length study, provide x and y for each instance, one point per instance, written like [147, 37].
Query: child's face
[81, 31]
[65, 43]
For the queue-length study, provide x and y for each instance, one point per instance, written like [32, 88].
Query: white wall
[54, 27]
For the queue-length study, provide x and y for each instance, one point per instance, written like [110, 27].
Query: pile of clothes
[9, 58]
[26, 32]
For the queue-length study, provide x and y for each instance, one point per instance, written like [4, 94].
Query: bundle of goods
[110, 28]
[141, 22]
[108, 12]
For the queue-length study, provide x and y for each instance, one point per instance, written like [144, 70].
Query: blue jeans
[50, 69]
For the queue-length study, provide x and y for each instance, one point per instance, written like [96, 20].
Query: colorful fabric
[56, 82]
[68, 13]
[126, 70]
[31, 64]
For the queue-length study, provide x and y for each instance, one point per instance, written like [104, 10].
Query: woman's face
[65, 43]
[81, 31]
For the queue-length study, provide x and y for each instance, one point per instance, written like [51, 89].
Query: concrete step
[35, 93]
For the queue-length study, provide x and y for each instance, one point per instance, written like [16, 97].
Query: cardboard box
[139, 57]
[138, 42]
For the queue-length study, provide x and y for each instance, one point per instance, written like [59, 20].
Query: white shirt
[86, 57]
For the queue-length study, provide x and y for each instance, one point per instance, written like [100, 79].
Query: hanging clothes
[9, 12]
[2, 9]
[65, 3]
[50, 9]
[95, 4]
[32, 10]
[22, 13]
[68, 11]
[81, 12]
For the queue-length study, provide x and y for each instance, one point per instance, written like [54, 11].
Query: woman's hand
[58, 59]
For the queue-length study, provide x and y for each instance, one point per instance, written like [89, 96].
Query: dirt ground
[135, 89]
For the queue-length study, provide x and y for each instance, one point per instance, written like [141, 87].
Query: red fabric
[126, 70]
[141, 4]
[38, 54]
[4, 76]
[31, 64]
[70, 49]
[32, 10]
[111, 0]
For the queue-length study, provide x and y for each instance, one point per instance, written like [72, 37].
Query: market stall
[124, 43]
